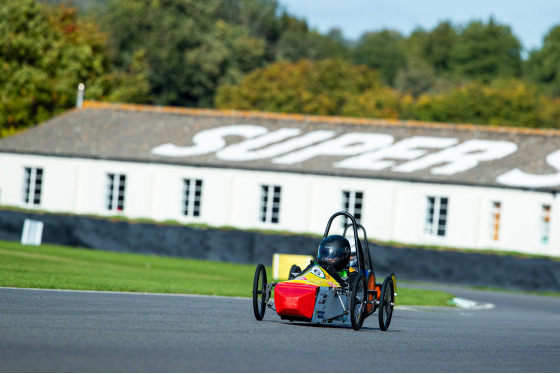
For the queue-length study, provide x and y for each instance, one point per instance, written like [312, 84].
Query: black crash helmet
[334, 251]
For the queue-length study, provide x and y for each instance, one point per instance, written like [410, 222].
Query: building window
[32, 185]
[495, 220]
[192, 196]
[545, 223]
[116, 184]
[436, 215]
[270, 204]
[352, 203]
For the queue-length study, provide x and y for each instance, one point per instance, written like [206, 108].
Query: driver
[334, 255]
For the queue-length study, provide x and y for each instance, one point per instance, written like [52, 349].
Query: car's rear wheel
[294, 269]
[358, 302]
[259, 292]
[386, 303]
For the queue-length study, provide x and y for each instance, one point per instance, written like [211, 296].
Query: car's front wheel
[358, 300]
[259, 292]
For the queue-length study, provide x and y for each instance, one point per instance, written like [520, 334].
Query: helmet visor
[329, 254]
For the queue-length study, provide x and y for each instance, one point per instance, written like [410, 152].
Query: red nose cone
[295, 300]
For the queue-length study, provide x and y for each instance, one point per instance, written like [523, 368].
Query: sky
[530, 20]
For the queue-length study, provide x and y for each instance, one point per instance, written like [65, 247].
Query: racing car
[338, 288]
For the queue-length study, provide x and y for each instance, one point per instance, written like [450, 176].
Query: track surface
[62, 331]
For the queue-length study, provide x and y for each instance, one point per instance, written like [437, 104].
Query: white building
[416, 183]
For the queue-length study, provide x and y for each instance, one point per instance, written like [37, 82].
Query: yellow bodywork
[316, 276]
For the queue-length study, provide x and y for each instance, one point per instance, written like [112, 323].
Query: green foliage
[44, 54]
[252, 54]
[449, 55]
[380, 102]
[82, 5]
[417, 78]
[543, 66]
[381, 51]
[428, 56]
[504, 103]
[189, 50]
[436, 46]
[335, 87]
[285, 37]
[297, 42]
[258, 16]
[315, 87]
[486, 51]
[132, 85]
[549, 111]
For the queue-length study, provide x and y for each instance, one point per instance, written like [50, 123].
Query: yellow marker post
[282, 263]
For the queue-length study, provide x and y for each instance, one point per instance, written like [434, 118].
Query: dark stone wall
[450, 267]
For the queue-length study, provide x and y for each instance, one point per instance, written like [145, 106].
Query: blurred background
[483, 62]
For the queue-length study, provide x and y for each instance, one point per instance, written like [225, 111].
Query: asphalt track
[64, 331]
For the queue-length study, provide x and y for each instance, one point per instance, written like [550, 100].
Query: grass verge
[59, 267]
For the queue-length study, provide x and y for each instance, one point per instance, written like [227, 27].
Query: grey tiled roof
[130, 132]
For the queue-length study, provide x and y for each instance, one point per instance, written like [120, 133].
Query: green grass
[59, 267]
[413, 296]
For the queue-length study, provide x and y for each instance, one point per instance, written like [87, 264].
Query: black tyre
[386, 303]
[259, 292]
[358, 302]
[294, 269]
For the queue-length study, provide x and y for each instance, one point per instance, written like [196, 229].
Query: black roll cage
[359, 248]
[365, 247]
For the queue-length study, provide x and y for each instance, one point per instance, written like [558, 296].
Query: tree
[285, 37]
[543, 66]
[298, 42]
[417, 78]
[313, 87]
[379, 102]
[336, 45]
[438, 46]
[45, 52]
[381, 51]
[549, 112]
[486, 51]
[505, 102]
[433, 47]
[189, 49]
[260, 17]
